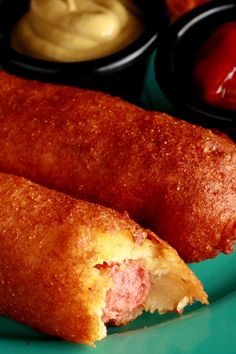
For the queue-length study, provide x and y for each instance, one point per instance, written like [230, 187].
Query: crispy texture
[50, 244]
[170, 176]
[178, 8]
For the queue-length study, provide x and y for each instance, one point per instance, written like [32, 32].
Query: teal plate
[202, 329]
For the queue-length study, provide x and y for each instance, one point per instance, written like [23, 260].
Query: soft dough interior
[145, 275]
[136, 289]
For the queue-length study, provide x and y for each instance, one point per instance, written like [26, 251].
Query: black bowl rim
[144, 44]
[102, 65]
[163, 65]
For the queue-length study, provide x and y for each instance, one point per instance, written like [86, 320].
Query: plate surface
[202, 329]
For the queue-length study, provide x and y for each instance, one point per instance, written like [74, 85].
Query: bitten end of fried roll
[68, 267]
[146, 277]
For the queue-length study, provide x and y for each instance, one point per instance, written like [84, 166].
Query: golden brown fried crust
[50, 244]
[178, 8]
[173, 177]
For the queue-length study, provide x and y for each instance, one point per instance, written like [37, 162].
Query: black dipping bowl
[120, 74]
[178, 46]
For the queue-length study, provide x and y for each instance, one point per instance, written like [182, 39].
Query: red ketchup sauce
[215, 69]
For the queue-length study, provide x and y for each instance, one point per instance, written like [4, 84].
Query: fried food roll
[68, 267]
[178, 8]
[170, 176]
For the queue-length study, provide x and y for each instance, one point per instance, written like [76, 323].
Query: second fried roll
[170, 176]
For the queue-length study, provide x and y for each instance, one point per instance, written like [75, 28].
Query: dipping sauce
[215, 70]
[76, 30]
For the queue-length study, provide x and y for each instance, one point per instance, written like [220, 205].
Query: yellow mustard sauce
[76, 30]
